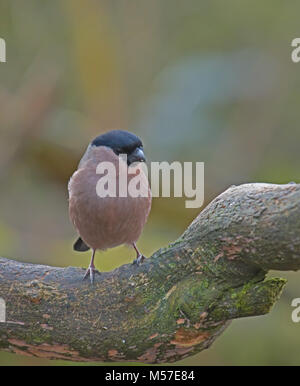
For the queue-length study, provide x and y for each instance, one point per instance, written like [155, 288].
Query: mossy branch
[174, 305]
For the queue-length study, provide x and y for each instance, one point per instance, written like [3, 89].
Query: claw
[138, 261]
[139, 257]
[91, 270]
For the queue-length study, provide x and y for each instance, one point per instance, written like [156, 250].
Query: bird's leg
[139, 257]
[91, 269]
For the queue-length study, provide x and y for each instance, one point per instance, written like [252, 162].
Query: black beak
[136, 156]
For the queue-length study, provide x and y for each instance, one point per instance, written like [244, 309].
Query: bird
[104, 222]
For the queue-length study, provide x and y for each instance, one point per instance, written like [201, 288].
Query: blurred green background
[208, 81]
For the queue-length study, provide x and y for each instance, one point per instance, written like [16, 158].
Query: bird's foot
[138, 261]
[91, 272]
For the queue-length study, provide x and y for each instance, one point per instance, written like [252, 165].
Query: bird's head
[122, 142]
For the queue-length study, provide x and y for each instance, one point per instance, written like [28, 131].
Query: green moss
[253, 298]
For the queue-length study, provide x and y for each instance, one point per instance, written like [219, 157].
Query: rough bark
[176, 303]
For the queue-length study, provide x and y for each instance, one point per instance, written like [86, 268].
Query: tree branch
[174, 305]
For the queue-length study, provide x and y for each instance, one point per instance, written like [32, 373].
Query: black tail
[80, 245]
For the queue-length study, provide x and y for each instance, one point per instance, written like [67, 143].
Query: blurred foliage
[198, 81]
